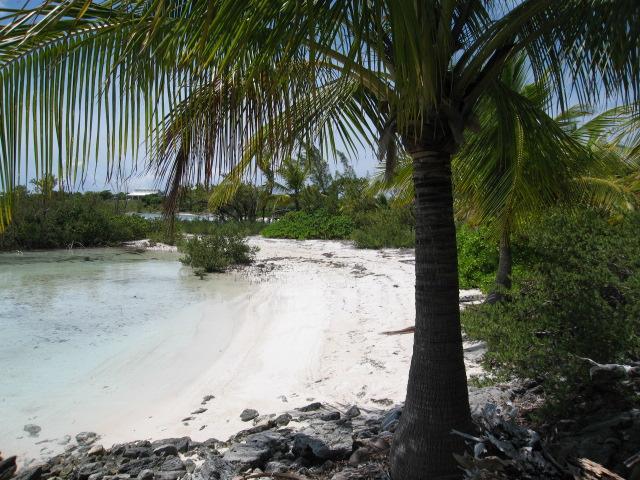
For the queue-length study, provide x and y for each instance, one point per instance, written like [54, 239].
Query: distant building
[141, 192]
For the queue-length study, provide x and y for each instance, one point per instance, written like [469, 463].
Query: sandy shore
[308, 328]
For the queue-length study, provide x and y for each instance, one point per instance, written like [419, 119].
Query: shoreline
[307, 328]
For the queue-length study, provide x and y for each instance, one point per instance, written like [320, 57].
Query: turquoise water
[67, 316]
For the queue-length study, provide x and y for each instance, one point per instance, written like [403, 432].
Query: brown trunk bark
[503, 276]
[437, 397]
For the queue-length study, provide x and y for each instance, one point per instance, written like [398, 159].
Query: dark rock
[257, 449]
[330, 416]
[33, 473]
[7, 468]
[32, 430]
[173, 475]
[324, 441]
[353, 412]
[96, 476]
[172, 464]
[145, 475]
[246, 456]
[86, 438]
[248, 414]
[215, 468]
[134, 467]
[137, 452]
[390, 420]
[182, 443]
[311, 407]
[207, 398]
[361, 455]
[283, 420]
[88, 469]
[198, 411]
[165, 450]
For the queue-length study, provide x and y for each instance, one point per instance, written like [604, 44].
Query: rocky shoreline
[321, 441]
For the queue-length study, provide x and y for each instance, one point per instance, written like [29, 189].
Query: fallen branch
[400, 332]
[275, 475]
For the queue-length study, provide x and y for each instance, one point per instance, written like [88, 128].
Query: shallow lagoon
[82, 334]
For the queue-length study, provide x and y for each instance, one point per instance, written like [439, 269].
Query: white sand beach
[306, 327]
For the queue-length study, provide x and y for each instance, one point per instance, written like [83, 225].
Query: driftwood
[400, 332]
[590, 470]
[506, 450]
[276, 476]
[604, 374]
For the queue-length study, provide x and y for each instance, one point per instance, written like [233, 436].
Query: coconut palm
[209, 84]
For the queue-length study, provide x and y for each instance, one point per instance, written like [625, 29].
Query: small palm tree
[210, 84]
[294, 174]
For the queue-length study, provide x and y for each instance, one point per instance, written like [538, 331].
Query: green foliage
[67, 220]
[385, 228]
[580, 297]
[477, 257]
[304, 225]
[217, 251]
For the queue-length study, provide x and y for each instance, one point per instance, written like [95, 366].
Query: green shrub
[385, 228]
[580, 297]
[66, 220]
[477, 257]
[217, 252]
[304, 225]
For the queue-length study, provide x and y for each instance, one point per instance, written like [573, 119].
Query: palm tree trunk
[437, 397]
[503, 275]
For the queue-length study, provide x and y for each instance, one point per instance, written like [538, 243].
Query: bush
[477, 257]
[66, 220]
[385, 228]
[579, 298]
[304, 225]
[217, 252]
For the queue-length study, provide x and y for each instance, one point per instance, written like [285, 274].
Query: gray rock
[86, 438]
[134, 467]
[207, 398]
[95, 450]
[32, 429]
[330, 416]
[96, 476]
[311, 407]
[257, 449]
[248, 414]
[479, 397]
[88, 469]
[172, 464]
[198, 411]
[145, 475]
[65, 440]
[390, 420]
[353, 412]
[7, 468]
[165, 450]
[324, 441]
[245, 456]
[215, 468]
[182, 443]
[33, 473]
[173, 475]
[137, 452]
[283, 420]
[190, 465]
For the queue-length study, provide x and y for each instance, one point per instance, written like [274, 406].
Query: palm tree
[512, 169]
[212, 83]
[293, 174]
